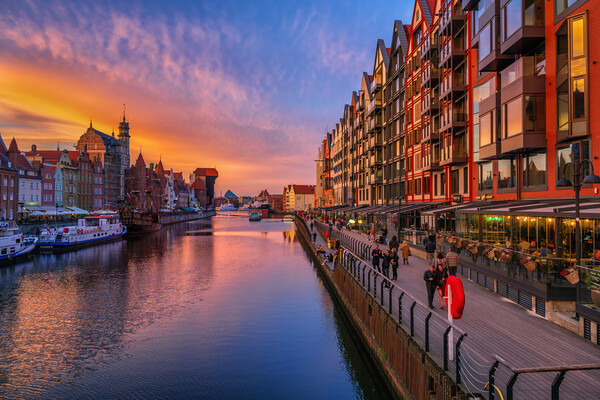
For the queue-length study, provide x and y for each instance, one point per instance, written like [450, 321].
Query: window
[485, 41]
[534, 169]
[435, 185]
[562, 5]
[567, 154]
[5, 182]
[511, 18]
[4, 196]
[455, 182]
[507, 174]
[513, 117]
[486, 179]
[486, 129]
[572, 95]
[466, 180]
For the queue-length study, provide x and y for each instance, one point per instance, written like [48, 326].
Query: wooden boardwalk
[495, 325]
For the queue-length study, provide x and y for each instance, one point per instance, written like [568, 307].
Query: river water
[211, 309]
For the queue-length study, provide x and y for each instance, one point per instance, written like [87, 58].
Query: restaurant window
[534, 169]
[486, 179]
[567, 154]
[571, 79]
[507, 174]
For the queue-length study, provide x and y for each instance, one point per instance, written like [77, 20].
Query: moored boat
[12, 243]
[89, 231]
[227, 207]
[139, 223]
[255, 216]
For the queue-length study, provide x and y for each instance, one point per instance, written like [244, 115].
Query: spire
[58, 145]
[90, 122]
[124, 108]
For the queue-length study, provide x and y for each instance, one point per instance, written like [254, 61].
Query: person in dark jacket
[394, 264]
[430, 250]
[430, 282]
[375, 256]
[394, 243]
[383, 234]
[385, 263]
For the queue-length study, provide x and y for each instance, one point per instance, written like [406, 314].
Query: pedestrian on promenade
[441, 270]
[452, 261]
[337, 244]
[375, 256]
[314, 236]
[372, 237]
[312, 226]
[430, 250]
[383, 234]
[320, 250]
[326, 234]
[394, 264]
[405, 252]
[394, 244]
[429, 278]
[385, 263]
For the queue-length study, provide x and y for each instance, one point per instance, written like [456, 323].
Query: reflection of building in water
[290, 236]
[62, 318]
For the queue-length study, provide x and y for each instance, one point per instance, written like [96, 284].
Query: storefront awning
[561, 208]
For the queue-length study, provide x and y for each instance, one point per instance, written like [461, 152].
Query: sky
[249, 87]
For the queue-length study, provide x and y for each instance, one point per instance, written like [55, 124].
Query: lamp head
[591, 179]
[564, 182]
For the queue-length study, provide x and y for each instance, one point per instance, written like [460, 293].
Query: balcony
[453, 121]
[524, 27]
[523, 141]
[373, 105]
[489, 151]
[434, 165]
[452, 53]
[375, 85]
[453, 156]
[429, 76]
[429, 103]
[453, 84]
[495, 61]
[375, 143]
[451, 22]
[357, 122]
[430, 133]
[526, 75]
[375, 124]
[428, 46]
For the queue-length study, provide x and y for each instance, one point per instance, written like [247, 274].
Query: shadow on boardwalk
[494, 326]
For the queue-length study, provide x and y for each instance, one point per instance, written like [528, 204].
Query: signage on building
[457, 198]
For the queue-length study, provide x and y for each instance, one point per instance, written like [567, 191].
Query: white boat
[89, 231]
[227, 207]
[243, 208]
[255, 216]
[12, 243]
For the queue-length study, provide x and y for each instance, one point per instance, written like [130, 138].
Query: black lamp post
[577, 183]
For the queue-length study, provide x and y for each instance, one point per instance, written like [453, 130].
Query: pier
[499, 347]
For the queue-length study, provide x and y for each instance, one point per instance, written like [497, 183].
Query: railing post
[510, 386]
[556, 384]
[363, 274]
[491, 381]
[390, 299]
[369, 281]
[446, 348]
[382, 283]
[427, 331]
[458, 343]
[412, 319]
[400, 307]
[375, 286]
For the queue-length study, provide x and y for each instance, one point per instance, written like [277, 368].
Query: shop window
[486, 179]
[567, 154]
[534, 169]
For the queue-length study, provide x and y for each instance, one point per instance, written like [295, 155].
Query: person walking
[405, 252]
[394, 244]
[314, 236]
[430, 250]
[385, 264]
[375, 256]
[383, 234]
[372, 238]
[394, 264]
[312, 226]
[430, 277]
[452, 261]
[441, 269]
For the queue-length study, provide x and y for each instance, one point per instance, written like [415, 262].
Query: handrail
[529, 370]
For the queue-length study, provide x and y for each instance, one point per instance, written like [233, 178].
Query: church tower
[124, 138]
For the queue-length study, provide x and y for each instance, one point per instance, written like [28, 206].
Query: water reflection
[235, 313]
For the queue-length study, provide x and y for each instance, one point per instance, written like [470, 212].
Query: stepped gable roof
[206, 172]
[229, 194]
[304, 189]
[140, 161]
[198, 185]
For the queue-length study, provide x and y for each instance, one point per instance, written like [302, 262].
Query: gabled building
[208, 177]
[8, 185]
[29, 181]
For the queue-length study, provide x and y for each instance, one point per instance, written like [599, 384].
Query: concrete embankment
[409, 371]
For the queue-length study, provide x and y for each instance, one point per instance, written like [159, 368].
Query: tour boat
[228, 207]
[12, 243]
[255, 216]
[89, 231]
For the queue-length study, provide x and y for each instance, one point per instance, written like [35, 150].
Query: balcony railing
[523, 67]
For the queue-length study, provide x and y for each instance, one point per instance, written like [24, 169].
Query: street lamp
[577, 183]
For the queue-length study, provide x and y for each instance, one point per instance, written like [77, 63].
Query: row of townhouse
[298, 197]
[474, 100]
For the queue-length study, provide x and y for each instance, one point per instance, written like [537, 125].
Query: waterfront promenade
[496, 326]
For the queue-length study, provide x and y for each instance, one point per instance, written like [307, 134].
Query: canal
[212, 309]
